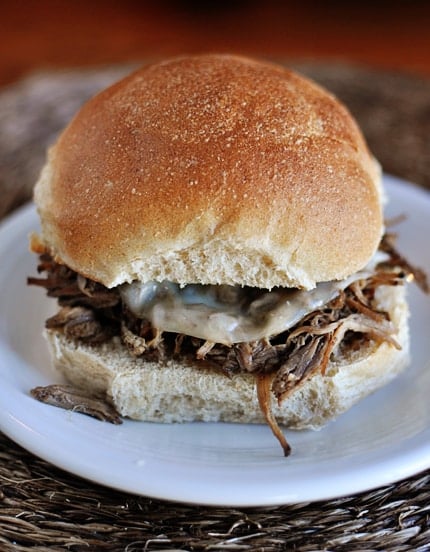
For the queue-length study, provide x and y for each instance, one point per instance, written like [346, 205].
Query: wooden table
[62, 33]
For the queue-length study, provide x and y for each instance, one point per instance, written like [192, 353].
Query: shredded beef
[300, 364]
[80, 323]
[398, 261]
[93, 313]
[89, 311]
[73, 289]
[264, 396]
[70, 398]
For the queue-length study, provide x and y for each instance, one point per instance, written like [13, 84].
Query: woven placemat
[43, 508]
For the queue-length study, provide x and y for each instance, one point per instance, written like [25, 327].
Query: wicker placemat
[46, 508]
[43, 508]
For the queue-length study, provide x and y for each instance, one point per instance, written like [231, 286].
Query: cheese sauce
[230, 314]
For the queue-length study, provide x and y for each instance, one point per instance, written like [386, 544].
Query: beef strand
[70, 398]
[264, 396]
[398, 261]
[80, 323]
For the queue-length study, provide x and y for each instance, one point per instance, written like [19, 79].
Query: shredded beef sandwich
[212, 229]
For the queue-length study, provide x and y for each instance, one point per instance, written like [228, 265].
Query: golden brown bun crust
[212, 169]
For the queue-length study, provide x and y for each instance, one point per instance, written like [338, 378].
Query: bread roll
[212, 169]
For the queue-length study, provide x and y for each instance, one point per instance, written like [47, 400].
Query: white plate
[383, 439]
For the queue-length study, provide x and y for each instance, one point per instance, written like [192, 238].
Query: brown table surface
[60, 33]
[53, 55]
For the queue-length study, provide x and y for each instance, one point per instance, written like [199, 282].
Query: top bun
[212, 169]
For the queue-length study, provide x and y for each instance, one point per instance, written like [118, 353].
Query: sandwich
[212, 230]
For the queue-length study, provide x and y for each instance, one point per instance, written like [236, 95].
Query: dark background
[58, 33]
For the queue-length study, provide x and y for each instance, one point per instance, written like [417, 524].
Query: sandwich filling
[230, 314]
[281, 336]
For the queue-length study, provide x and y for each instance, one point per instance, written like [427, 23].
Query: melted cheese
[229, 314]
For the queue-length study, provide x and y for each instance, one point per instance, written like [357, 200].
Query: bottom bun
[181, 392]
